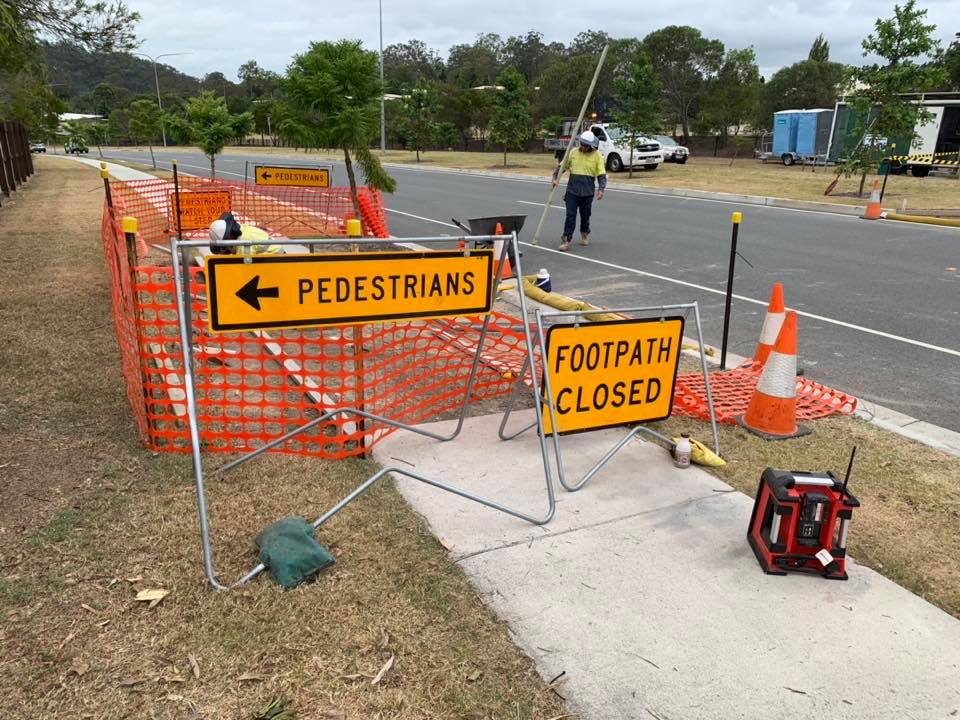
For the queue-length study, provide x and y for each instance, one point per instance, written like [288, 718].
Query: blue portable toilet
[785, 132]
[813, 131]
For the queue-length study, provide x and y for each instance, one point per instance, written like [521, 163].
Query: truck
[614, 145]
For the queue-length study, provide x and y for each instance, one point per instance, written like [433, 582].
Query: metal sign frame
[547, 398]
[180, 260]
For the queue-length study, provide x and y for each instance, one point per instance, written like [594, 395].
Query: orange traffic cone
[772, 413]
[502, 255]
[874, 211]
[771, 325]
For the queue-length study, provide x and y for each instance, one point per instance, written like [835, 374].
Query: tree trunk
[863, 179]
[213, 166]
[418, 153]
[353, 185]
[504, 155]
[152, 158]
[100, 150]
[633, 141]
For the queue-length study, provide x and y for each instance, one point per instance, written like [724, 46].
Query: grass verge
[392, 631]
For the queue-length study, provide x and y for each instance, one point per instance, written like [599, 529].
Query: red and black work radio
[800, 522]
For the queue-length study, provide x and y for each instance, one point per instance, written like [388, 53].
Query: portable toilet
[785, 132]
[813, 131]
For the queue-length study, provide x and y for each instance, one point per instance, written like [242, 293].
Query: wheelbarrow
[488, 226]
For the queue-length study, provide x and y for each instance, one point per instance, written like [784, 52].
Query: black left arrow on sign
[265, 175]
[251, 292]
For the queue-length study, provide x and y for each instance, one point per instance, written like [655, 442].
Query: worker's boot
[584, 238]
[564, 243]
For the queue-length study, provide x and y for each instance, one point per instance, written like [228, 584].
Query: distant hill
[75, 73]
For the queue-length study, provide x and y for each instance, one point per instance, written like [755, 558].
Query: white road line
[555, 207]
[744, 298]
[420, 217]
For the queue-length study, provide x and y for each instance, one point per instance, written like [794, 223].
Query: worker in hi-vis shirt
[585, 166]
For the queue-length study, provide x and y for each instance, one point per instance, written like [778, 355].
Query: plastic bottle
[543, 280]
[681, 454]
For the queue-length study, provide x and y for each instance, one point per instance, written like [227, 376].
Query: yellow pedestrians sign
[605, 374]
[199, 208]
[301, 176]
[278, 291]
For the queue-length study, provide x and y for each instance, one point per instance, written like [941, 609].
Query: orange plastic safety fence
[293, 212]
[732, 390]
[254, 386]
[124, 317]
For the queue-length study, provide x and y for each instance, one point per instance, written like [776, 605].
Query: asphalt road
[879, 302]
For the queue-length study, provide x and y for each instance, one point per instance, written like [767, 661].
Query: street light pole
[383, 121]
[156, 80]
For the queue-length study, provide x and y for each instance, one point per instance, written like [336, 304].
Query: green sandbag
[287, 547]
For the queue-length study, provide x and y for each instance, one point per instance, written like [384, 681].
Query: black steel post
[735, 218]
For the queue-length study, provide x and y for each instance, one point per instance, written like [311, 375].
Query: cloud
[220, 35]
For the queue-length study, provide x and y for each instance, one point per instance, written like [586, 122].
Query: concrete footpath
[644, 593]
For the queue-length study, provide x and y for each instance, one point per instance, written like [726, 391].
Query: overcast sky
[221, 35]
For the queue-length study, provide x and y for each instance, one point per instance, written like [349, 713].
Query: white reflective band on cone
[779, 378]
[771, 327]
[498, 248]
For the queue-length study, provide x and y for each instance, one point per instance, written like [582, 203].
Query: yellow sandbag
[702, 455]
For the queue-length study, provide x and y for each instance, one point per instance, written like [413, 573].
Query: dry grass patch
[112, 520]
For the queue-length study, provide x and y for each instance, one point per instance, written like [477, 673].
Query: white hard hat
[588, 138]
[218, 228]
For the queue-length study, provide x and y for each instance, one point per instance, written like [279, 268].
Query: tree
[445, 134]
[256, 81]
[563, 84]
[210, 125]
[418, 109]
[144, 123]
[404, 64]
[510, 126]
[97, 134]
[951, 63]
[684, 60]
[907, 46]
[638, 96]
[528, 54]
[731, 97]
[334, 91]
[469, 110]
[820, 50]
[476, 65]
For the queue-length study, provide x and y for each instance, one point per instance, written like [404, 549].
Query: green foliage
[951, 63]
[211, 125]
[820, 50]
[564, 83]
[551, 125]
[334, 101]
[907, 46]
[102, 25]
[144, 122]
[638, 98]
[25, 96]
[407, 64]
[417, 117]
[511, 124]
[445, 134]
[731, 97]
[469, 110]
[685, 61]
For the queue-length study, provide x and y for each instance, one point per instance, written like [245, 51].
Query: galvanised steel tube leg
[510, 403]
[541, 340]
[185, 347]
[706, 381]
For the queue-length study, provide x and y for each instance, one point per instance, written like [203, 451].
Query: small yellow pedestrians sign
[605, 374]
[283, 291]
[199, 208]
[292, 176]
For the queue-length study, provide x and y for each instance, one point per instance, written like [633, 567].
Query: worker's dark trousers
[583, 203]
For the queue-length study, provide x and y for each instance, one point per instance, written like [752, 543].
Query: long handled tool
[573, 139]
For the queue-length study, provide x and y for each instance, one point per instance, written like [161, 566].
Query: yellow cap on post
[736, 217]
[354, 228]
[104, 173]
[129, 224]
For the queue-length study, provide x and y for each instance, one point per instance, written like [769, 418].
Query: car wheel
[787, 159]
[614, 163]
[681, 161]
[920, 170]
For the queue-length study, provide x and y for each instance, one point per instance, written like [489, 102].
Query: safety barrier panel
[16, 162]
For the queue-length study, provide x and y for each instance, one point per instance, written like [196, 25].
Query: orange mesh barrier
[255, 386]
[732, 390]
[293, 212]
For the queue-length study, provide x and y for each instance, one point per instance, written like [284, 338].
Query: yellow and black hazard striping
[943, 158]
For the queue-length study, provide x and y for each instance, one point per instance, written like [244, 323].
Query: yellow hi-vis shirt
[583, 168]
[252, 232]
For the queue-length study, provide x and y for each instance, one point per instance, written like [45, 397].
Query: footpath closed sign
[605, 374]
[285, 291]
[199, 208]
[292, 176]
